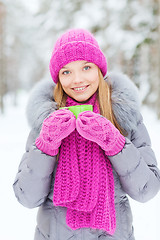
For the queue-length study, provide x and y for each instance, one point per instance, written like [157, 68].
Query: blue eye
[87, 67]
[66, 72]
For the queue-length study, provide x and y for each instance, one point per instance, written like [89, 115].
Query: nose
[77, 78]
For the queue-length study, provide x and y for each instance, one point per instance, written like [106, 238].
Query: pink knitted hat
[74, 45]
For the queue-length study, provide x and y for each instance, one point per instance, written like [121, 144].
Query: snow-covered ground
[17, 222]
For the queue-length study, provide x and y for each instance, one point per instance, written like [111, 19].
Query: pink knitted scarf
[84, 181]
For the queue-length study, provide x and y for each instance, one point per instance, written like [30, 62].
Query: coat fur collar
[125, 102]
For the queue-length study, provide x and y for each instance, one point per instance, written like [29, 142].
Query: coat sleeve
[136, 166]
[33, 180]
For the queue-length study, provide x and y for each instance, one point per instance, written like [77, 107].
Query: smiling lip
[80, 89]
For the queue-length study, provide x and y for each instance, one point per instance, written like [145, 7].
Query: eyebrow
[63, 68]
[83, 63]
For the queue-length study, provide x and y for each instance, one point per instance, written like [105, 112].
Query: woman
[79, 171]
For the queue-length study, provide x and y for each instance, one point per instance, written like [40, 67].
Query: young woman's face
[79, 79]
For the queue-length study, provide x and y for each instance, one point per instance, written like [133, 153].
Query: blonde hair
[103, 97]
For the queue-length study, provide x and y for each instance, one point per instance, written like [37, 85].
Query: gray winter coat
[135, 167]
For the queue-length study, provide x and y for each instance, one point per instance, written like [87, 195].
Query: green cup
[79, 108]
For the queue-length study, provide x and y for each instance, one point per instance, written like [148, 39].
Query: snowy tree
[2, 55]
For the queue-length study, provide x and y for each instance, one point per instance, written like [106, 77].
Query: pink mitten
[56, 127]
[97, 128]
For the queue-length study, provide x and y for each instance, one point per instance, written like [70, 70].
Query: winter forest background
[128, 32]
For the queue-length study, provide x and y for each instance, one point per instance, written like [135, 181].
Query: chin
[82, 100]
